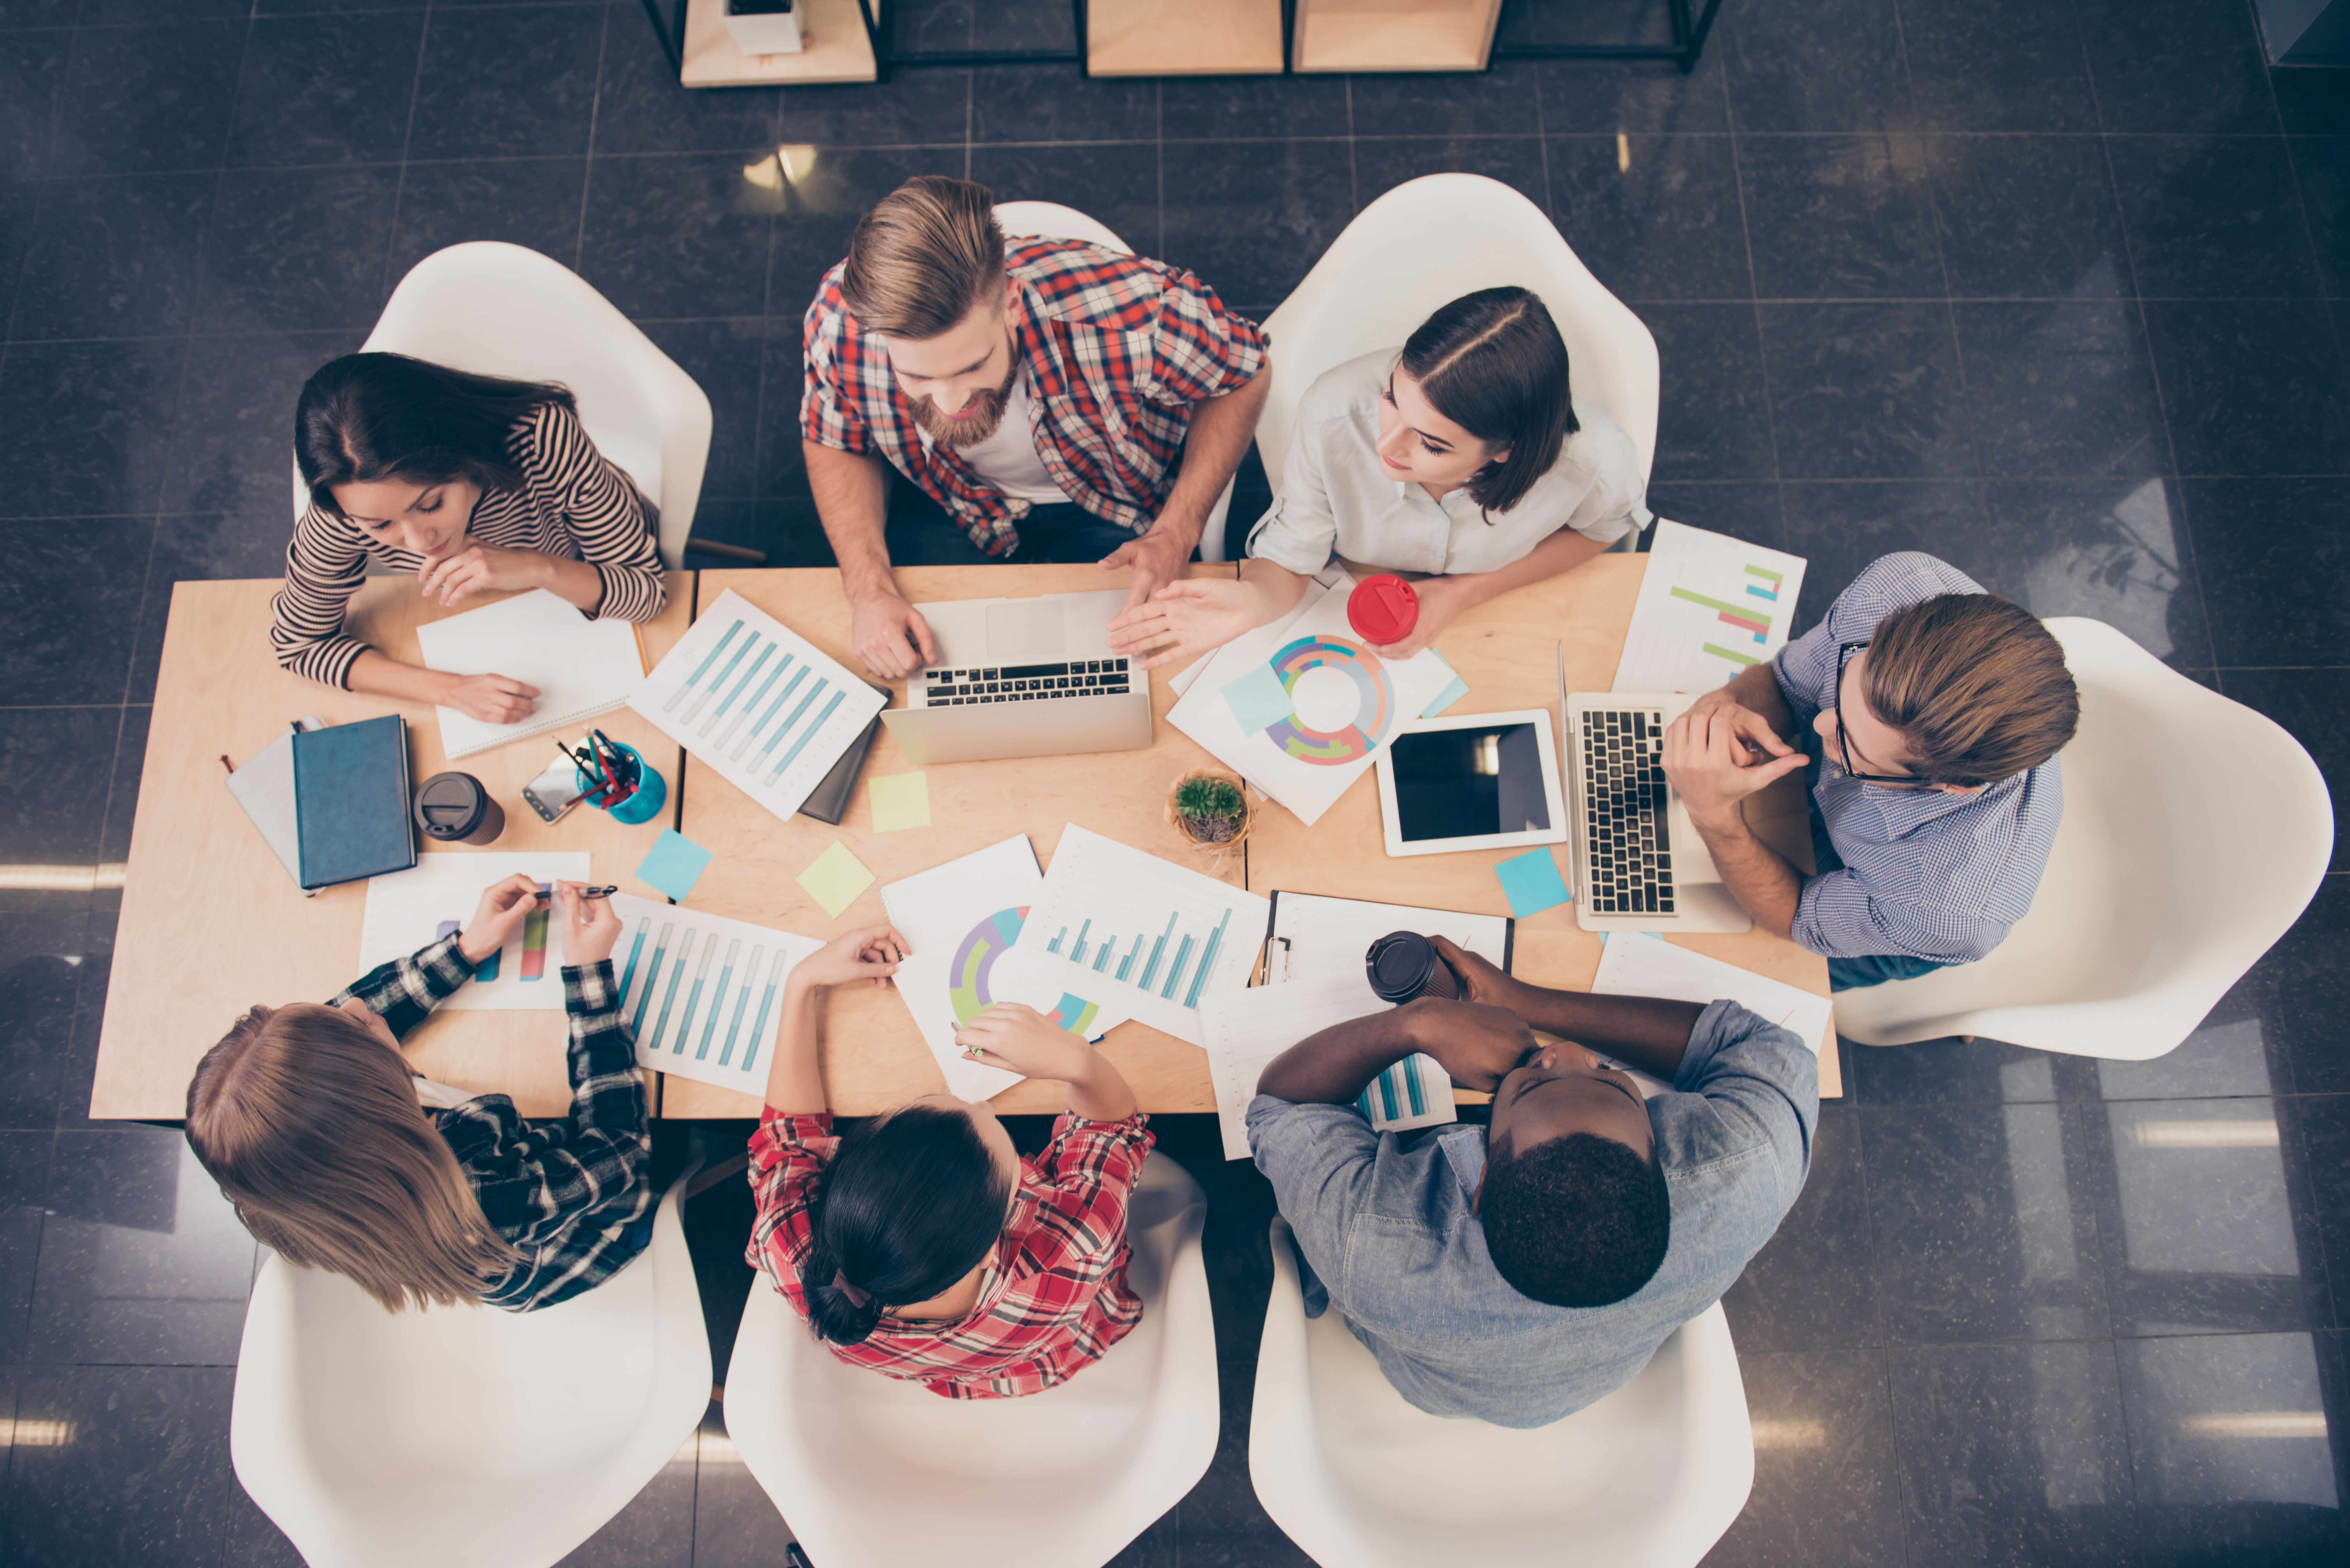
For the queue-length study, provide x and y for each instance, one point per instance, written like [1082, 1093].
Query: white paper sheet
[1321, 939]
[1637, 963]
[1710, 605]
[1149, 938]
[1346, 703]
[1244, 1030]
[407, 909]
[582, 668]
[702, 993]
[961, 919]
[756, 701]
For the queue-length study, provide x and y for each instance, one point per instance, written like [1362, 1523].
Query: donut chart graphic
[1374, 713]
[974, 961]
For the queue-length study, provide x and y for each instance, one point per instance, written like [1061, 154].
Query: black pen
[597, 892]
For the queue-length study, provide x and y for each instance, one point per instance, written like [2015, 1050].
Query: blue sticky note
[1451, 694]
[675, 864]
[1258, 699]
[1533, 882]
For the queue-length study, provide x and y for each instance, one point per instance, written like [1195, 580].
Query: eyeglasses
[1844, 656]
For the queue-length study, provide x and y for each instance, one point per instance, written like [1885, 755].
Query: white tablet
[1477, 781]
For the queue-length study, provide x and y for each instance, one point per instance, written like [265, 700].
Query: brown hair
[921, 259]
[1492, 362]
[313, 1132]
[1976, 686]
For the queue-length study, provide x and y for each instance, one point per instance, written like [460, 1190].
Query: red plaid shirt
[1117, 349]
[1053, 1297]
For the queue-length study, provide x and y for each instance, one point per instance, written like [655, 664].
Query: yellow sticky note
[836, 879]
[901, 800]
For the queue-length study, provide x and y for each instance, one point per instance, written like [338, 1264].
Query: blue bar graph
[1207, 960]
[1077, 953]
[1158, 951]
[1175, 975]
[1101, 954]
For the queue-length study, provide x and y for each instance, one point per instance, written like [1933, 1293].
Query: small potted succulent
[1209, 808]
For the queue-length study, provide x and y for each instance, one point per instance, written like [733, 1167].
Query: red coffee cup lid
[1383, 609]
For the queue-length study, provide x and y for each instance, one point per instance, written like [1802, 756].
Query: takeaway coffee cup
[453, 808]
[1404, 965]
[1383, 609]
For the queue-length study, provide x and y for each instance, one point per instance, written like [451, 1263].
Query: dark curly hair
[1576, 1222]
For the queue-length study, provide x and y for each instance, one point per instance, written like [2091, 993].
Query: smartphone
[554, 792]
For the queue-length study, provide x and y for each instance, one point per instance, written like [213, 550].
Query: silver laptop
[1639, 863]
[1023, 678]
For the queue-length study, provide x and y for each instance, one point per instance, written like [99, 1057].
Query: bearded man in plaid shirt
[1059, 401]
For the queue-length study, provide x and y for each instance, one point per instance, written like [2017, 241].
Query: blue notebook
[350, 801]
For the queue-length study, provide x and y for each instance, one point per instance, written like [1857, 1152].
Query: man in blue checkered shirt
[1930, 714]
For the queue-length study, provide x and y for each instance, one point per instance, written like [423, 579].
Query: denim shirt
[1387, 1226]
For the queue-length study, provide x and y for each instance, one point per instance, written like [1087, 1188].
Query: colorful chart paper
[702, 995]
[836, 879]
[407, 909]
[1710, 605]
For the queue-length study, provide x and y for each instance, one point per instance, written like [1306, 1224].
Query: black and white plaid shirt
[572, 1195]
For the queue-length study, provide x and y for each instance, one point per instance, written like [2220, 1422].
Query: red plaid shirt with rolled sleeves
[1053, 1297]
[1117, 349]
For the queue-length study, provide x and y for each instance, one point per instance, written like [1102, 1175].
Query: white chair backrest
[362, 1433]
[2146, 914]
[502, 310]
[1052, 221]
[1432, 239]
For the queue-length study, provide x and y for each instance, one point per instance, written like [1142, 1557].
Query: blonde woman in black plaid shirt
[341, 1158]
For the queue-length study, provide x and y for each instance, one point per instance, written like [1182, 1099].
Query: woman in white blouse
[1463, 456]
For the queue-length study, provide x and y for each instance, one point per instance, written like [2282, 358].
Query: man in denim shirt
[1516, 1274]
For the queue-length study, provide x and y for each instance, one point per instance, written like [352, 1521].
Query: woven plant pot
[1185, 829]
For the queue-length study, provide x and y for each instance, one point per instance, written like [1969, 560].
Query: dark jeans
[921, 535]
[1869, 969]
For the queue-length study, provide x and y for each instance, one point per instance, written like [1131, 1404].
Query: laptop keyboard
[1025, 682]
[1631, 861]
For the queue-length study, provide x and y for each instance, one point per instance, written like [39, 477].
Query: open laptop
[1638, 863]
[1023, 678]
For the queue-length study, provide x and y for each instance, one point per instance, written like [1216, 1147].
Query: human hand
[1748, 728]
[589, 925]
[891, 637]
[1439, 601]
[1475, 1042]
[1480, 981]
[492, 699]
[504, 904]
[870, 953]
[451, 580]
[1016, 1038]
[1715, 759]
[1157, 558]
[1185, 617]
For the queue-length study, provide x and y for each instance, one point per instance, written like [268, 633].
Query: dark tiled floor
[2055, 288]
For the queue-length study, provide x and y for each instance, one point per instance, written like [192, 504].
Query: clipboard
[1312, 936]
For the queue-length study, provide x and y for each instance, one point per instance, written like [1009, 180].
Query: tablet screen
[1467, 783]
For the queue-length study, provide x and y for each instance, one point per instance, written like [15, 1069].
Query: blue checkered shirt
[1926, 874]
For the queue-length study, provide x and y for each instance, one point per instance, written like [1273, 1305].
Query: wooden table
[211, 922]
[873, 1057]
[1506, 649]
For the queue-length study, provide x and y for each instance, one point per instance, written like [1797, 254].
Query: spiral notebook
[582, 668]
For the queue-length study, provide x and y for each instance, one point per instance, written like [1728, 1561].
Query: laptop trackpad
[1025, 631]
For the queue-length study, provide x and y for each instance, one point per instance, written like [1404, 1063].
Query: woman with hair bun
[920, 1244]
[1461, 457]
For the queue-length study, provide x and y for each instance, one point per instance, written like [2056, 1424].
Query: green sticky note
[901, 800]
[835, 879]
[1532, 883]
[675, 865]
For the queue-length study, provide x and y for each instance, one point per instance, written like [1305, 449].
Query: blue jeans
[1868, 968]
[922, 535]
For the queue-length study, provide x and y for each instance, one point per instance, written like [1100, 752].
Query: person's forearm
[1269, 591]
[1645, 1032]
[377, 674]
[795, 1076]
[1765, 886]
[576, 583]
[1222, 429]
[852, 497]
[1562, 552]
[1332, 1067]
[1103, 1095]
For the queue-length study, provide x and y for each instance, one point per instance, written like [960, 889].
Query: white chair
[2194, 832]
[1650, 1476]
[465, 1437]
[1430, 241]
[1051, 221]
[873, 1472]
[501, 310]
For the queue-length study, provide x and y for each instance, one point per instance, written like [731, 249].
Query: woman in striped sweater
[469, 481]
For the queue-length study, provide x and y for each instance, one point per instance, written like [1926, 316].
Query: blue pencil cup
[639, 805]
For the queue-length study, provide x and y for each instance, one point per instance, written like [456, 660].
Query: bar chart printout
[436, 897]
[1709, 607]
[702, 994]
[1143, 936]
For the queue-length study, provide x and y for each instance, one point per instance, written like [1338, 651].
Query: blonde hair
[313, 1132]
[918, 262]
